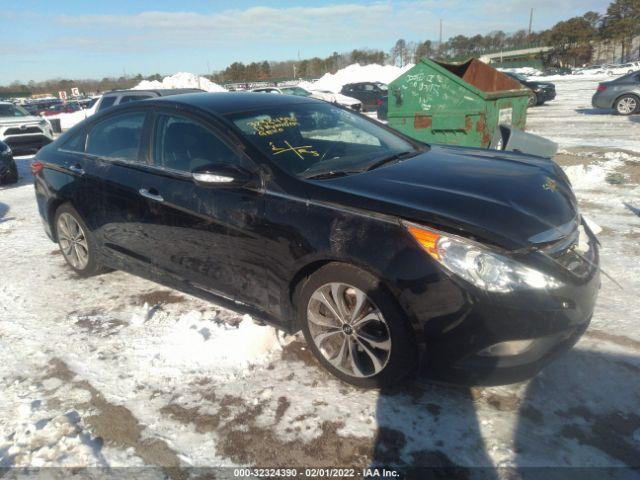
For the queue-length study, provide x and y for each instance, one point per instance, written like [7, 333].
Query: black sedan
[541, 92]
[386, 252]
[8, 168]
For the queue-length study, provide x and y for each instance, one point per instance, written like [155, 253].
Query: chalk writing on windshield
[299, 151]
[271, 126]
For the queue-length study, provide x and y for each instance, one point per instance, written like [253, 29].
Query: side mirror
[222, 175]
[511, 139]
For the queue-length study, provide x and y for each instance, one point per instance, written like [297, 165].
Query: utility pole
[440, 41]
[530, 23]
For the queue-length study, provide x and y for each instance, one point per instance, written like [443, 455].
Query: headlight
[44, 123]
[6, 152]
[478, 264]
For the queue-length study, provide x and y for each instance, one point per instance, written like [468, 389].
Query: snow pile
[215, 346]
[181, 80]
[356, 73]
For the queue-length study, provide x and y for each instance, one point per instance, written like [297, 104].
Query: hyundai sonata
[388, 254]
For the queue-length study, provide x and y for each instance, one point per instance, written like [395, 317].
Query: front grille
[19, 131]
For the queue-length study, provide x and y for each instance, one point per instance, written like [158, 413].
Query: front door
[209, 234]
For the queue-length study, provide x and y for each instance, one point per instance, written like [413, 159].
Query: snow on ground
[181, 80]
[118, 371]
[333, 82]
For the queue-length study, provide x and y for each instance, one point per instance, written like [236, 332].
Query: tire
[627, 104]
[376, 347]
[533, 100]
[76, 242]
[12, 174]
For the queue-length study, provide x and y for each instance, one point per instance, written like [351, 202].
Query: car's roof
[229, 102]
[159, 91]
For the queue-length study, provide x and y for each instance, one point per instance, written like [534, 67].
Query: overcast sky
[81, 39]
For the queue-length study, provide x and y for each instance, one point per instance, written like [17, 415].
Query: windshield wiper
[391, 158]
[332, 174]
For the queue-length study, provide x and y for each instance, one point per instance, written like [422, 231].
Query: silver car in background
[621, 94]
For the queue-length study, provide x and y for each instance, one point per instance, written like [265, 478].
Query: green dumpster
[457, 104]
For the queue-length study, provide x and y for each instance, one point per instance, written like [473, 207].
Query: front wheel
[533, 99]
[76, 242]
[12, 174]
[627, 104]
[355, 328]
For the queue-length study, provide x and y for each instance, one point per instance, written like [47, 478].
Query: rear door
[115, 165]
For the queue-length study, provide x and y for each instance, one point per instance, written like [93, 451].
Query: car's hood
[20, 120]
[505, 198]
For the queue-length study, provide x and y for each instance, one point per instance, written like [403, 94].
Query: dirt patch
[532, 413]
[504, 403]
[283, 405]
[100, 324]
[434, 409]
[244, 442]
[388, 446]
[442, 466]
[116, 424]
[158, 297]
[611, 433]
[204, 423]
[299, 351]
[613, 338]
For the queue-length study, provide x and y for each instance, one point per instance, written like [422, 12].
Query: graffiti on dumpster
[426, 87]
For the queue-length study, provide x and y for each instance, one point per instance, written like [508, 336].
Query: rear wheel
[355, 328]
[627, 104]
[76, 242]
[533, 99]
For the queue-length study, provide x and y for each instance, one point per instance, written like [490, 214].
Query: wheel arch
[304, 272]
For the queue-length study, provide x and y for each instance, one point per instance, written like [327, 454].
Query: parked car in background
[383, 108]
[541, 92]
[325, 95]
[369, 93]
[340, 99]
[23, 132]
[590, 70]
[311, 217]
[118, 97]
[8, 168]
[67, 107]
[621, 94]
[621, 69]
[557, 71]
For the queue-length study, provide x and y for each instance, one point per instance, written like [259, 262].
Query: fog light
[506, 349]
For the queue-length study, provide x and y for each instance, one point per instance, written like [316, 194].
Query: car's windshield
[10, 110]
[316, 139]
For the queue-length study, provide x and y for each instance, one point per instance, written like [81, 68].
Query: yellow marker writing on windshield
[299, 151]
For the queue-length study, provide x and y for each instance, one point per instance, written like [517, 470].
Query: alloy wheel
[73, 241]
[349, 330]
[627, 105]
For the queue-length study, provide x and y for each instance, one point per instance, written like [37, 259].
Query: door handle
[77, 168]
[151, 194]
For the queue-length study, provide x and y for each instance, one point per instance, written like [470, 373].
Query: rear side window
[184, 144]
[133, 98]
[107, 102]
[117, 137]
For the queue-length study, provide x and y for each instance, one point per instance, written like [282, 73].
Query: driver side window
[185, 145]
